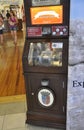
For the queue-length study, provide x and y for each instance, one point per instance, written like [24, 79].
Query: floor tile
[12, 108]
[19, 129]
[14, 98]
[2, 109]
[54, 129]
[25, 105]
[18, 107]
[32, 127]
[1, 122]
[14, 121]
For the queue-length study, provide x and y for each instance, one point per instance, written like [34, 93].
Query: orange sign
[47, 15]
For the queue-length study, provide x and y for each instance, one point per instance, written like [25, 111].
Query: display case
[48, 56]
[45, 61]
[45, 54]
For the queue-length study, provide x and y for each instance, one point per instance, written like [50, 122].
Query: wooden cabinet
[54, 114]
[45, 61]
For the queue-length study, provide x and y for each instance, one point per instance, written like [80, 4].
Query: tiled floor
[13, 116]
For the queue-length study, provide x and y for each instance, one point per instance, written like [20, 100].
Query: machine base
[46, 120]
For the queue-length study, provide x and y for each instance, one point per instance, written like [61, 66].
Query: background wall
[4, 4]
[75, 102]
[18, 9]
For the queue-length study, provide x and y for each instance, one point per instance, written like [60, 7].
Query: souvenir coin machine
[45, 61]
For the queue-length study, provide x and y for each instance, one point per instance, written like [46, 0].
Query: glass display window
[45, 54]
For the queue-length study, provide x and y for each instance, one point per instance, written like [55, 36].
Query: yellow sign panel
[47, 15]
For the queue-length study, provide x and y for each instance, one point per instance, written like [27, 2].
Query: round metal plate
[46, 97]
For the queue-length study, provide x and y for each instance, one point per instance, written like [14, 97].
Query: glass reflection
[45, 54]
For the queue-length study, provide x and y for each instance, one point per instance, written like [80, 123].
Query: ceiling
[11, 2]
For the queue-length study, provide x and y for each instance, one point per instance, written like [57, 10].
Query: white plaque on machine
[57, 45]
[45, 2]
[46, 97]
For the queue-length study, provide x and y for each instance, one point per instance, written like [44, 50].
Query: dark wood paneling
[57, 112]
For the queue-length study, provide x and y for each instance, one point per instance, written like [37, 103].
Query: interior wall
[4, 5]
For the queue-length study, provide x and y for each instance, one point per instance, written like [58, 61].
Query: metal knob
[32, 94]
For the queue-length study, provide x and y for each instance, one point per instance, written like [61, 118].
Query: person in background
[13, 21]
[3, 14]
[1, 29]
[8, 14]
